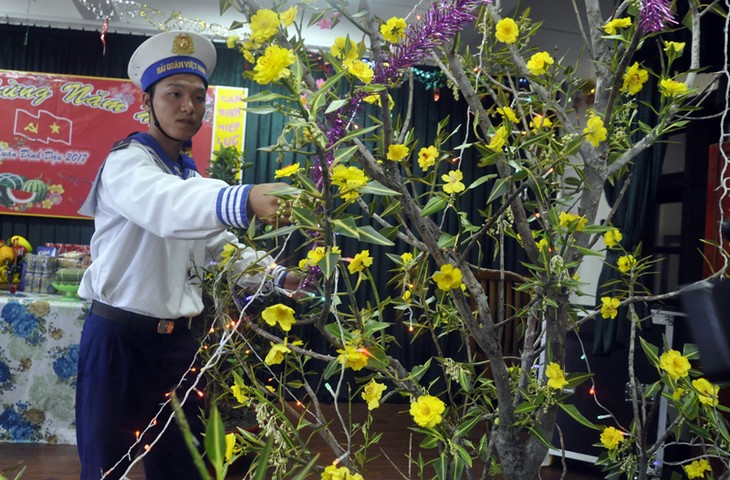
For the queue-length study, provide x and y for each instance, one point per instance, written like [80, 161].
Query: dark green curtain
[634, 213]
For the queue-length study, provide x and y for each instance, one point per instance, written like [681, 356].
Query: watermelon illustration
[37, 187]
[9, 181]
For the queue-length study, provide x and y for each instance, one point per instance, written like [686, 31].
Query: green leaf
[328, 263]
[420, 370]
[260, 110]
[525, 407]
[342, 155]
[577, 416]
[336, 105]
[537, 434]
[369, 235]
[429, 442]
[651, 351]
[265, 96]
[481, 180]
[446, 240]
[435, 204]
[263, 462]
[575, 379]
[215, 440]
[332, 367]
[500, 188]
[279, 232]
[376, 188]
[356, 133]
[442, 468]
[347, 227]
[466, 426]
[374, 326]
[377, 357]
[304, 217]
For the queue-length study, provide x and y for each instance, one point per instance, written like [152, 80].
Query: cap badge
[183, 44]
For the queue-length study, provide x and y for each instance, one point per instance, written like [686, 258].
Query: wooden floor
[60, 462]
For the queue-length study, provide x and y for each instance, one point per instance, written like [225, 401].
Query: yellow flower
[612, 238]
[264, 25]
[361, 70]
[276, 354]
[674, 48]
[287, 171]
[453, 182]
[333, 472]
[539, 121]
[427, 157]
[634, 79]
[610, 27]
[426, 411]
[447, 277]
[498, 140]
[406, 258]
[609, 309]
[288, 16]
[279, 314]
[360, 262]
[273, 65]
[374, 99]
[509, 114]
[231, 41]
[697, 468]
[315, 255]
[228, 250]
[349, 179]
[343, 49]
[677, 394]
[568, 220]
[706, 392]
[626, 263]
[595, 131]
[270, 389]
[397, 151]
[675, 364]
[372, 393]
[543, 244]
[239, 392]
[672, 88]
[230, 445]
[555, 375]
[353, 357]
[539, 63]
[248, 56]
[394, 30]
[507, 31]
[611, 437]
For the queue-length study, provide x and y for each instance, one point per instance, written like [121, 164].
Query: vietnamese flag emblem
[43, 127]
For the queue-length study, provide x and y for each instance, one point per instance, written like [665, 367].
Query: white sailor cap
[170, 53]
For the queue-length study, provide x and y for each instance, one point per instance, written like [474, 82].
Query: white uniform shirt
[153, 229]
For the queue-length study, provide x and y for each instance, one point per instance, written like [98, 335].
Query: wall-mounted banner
[56, 130]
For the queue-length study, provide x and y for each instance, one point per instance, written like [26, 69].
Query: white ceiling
[126, 19]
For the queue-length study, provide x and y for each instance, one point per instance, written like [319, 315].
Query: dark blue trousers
[125, 375]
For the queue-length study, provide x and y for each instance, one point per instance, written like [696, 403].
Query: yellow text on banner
[229, 123]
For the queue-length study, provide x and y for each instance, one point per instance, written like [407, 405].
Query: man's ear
[146, 101]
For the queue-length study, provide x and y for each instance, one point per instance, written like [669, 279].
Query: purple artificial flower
[655, 15]
[443, 21]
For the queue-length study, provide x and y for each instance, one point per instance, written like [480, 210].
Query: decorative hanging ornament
[104, 29]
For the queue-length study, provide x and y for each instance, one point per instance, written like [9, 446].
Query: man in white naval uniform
[156, 221]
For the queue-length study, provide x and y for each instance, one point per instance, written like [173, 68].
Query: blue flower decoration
[22, 323]
[66, 364]
[15, 428]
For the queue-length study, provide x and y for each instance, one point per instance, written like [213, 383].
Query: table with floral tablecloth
[39, 349]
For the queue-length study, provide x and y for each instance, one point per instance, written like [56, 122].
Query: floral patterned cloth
[39, 349]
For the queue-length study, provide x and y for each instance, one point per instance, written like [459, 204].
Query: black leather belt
[135, 320]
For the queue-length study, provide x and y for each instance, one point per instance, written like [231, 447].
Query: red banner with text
[56, 130]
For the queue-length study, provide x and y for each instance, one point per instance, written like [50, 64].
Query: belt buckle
[165, 327]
